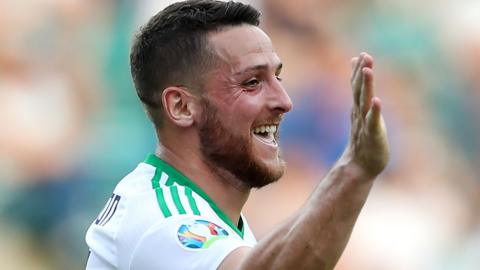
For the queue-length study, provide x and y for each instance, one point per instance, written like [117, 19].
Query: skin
[226, 151]
[246, 92]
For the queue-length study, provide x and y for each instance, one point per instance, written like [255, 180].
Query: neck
[222, 187]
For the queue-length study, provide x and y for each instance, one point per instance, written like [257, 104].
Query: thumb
[374, 116]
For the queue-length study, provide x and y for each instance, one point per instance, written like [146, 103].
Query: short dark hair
[173, 49]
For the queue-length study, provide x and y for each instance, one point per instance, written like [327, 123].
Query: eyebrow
[259, 67]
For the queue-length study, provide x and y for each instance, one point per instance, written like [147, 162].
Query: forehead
[243, 46]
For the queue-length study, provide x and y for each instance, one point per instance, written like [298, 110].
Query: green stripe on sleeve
[176, 200]
[177, 177]
[156, 178]
[170, 182]
[161, 203]
[191, 201]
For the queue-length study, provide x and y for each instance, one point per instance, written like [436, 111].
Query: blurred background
[72, 126]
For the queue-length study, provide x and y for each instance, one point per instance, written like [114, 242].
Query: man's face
[243, 104]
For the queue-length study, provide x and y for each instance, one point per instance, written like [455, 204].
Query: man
[209, 79]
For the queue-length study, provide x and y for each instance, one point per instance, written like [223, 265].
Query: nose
[278, 99]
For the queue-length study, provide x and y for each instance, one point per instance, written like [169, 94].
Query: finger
[367, 90]
[367, 60]
[356, 67]
[354, 62]
[374, 116]
[356, 80]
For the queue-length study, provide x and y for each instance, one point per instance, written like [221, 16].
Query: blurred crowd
[72, 126]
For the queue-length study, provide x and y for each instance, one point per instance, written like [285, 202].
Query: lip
[267, 123]
[268, 141]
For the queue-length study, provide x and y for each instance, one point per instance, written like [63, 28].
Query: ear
[181, 107]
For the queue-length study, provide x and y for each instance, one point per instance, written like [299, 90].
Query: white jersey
[158, 219]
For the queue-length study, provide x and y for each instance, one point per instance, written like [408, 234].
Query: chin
[265, 173]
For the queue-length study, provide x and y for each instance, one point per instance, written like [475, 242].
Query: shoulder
[177, 200]
[184, 242]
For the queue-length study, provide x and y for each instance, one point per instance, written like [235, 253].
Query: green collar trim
[182, 180]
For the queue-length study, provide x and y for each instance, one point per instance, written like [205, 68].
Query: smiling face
[243, 103]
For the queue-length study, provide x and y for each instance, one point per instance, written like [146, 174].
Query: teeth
[265, 128]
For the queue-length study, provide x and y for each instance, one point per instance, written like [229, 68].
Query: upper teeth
[265, 128]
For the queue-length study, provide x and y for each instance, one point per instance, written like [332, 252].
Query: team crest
[200, 234]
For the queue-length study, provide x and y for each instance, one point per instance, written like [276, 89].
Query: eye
[278, 78]
[252, 83]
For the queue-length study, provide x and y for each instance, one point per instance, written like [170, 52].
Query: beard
[223, 151]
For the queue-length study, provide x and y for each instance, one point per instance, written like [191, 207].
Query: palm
[368, 146]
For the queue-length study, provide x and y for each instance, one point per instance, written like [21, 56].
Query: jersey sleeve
[181, 242]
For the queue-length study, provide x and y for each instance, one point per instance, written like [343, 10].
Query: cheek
[241, 113]
[242, 116]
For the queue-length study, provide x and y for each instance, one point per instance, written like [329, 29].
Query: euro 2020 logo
[200, 234]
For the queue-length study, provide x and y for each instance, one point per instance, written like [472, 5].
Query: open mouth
[266, 134]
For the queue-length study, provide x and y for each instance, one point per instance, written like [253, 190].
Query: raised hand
[368, 146]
